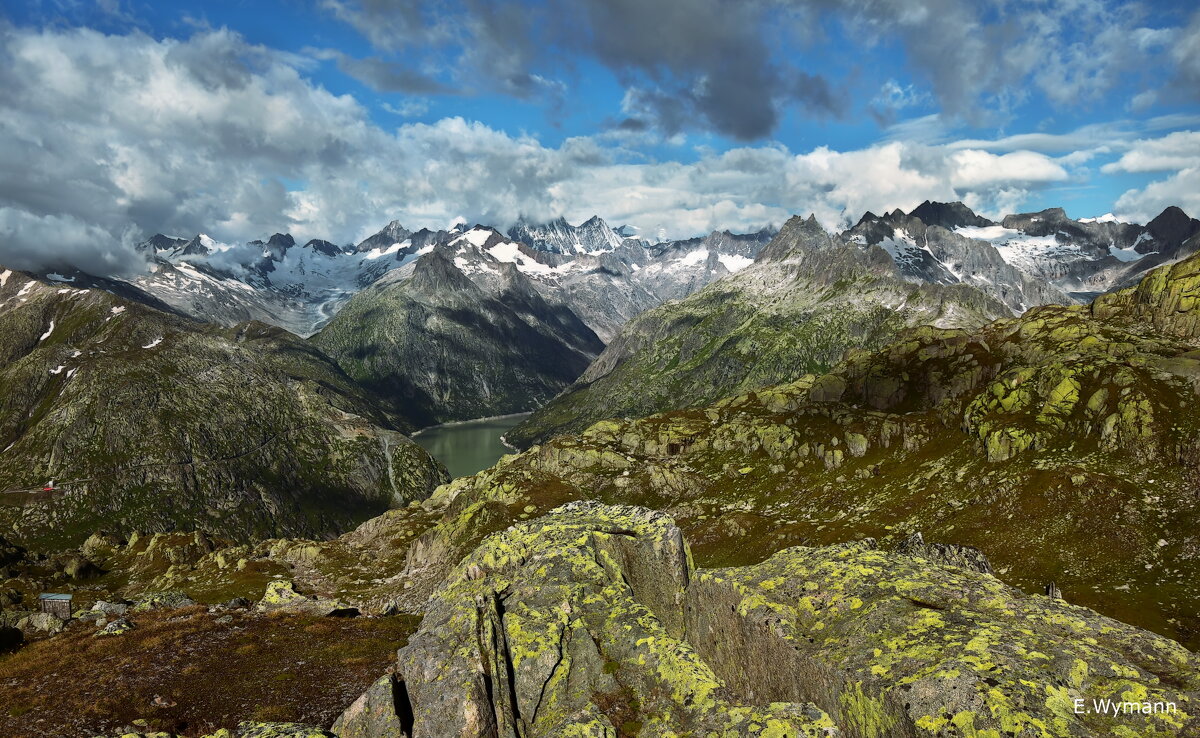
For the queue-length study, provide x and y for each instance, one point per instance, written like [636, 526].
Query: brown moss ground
[205, 675]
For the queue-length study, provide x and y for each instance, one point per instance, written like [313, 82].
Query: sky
[330, 118]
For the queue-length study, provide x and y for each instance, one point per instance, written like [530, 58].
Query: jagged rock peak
[392, 233]
[798, 235]
[1173, 225]
[435, 273]
[949, 215]
[158, 242]
[324, 247]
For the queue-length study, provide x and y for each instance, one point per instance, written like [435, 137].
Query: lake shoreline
[467, 447]
[452, 423]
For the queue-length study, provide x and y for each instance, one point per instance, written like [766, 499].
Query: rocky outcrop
[591, 621]
[381, 712]
[1167, 300]
[281, 596]
[574, 626]
[1050, 442]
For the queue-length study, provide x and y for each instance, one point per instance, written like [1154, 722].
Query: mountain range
[551, 297]
[904, 480]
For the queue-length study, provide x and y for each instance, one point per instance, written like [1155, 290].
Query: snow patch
[48, 332]
[987, 233]
[510, 252]
[153, 343]
[377, 253]
[1126, 255]
[694, 258]
[59, 278]
[1106, 218]
[735, 262]
[118, 310]
[4, 277]
[476, 236]
[58, 369]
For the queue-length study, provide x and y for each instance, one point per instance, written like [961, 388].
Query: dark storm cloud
[707, 56]
[389, 24]
[734, 66]
[1187, 56]
[699, 64]
[387, 76]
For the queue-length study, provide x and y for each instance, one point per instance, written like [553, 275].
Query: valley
[897, 455]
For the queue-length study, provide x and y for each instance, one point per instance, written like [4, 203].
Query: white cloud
[1174, 151]
[1177, 153]
[104, 133]
[1181, 188]
[411, 108]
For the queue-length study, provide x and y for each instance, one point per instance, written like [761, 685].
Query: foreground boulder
[591, 621]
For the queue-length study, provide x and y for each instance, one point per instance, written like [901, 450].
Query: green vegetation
[146, 421]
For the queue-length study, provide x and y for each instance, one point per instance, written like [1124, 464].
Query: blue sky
[331, 117]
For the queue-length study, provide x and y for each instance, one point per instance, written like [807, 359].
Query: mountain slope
[461, 334]
[149, 421]
[607, 280]
[1065, 443]
[806, 301]
[274, 281]
[929, 253]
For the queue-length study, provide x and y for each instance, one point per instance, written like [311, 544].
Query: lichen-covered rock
[40, 622]
[378, 713]
[282, 595]
[120, 626]
[573, 626]
[1051, 441]
[894, 645]
[591, 621]
[947, 554]
[280, 730]
[171, 600]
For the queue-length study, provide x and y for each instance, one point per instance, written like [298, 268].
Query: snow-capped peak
[1106, 218]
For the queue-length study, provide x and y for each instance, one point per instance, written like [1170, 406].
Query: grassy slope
[152, 422]
[182, 671]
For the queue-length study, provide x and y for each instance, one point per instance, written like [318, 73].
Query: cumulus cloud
[216, 135]
[1181, 188]
[1174, 151]
[1177, 153]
